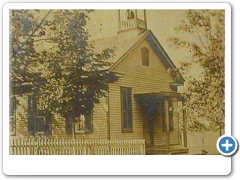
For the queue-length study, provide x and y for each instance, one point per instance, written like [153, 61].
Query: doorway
[148, 131]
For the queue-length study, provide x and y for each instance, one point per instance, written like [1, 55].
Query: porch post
[184, 128]
[108, 117]
[167, 123]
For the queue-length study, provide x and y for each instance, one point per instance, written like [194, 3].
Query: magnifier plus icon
[227, 145]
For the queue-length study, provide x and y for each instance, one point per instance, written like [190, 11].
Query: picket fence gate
[47, 146]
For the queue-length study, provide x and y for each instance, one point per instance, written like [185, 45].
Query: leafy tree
[77, 78]
[71, 76]
[205, 94]
[24, 28]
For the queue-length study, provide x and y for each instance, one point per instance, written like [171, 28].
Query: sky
[104, 23]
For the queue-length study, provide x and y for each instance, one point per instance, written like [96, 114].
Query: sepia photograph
[116, 81]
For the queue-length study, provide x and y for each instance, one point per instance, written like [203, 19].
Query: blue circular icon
[227, 145]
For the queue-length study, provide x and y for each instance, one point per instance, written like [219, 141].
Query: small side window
[84, 123]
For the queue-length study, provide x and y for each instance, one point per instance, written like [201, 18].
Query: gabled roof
[119, 43]
[122, 46]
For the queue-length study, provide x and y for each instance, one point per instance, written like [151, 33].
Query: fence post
[73, 146]
[109, 147]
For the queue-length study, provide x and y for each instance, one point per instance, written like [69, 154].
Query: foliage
[67, 73]
[204, 94]
[23, 56]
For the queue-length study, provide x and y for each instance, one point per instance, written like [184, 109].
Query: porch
[164, 126]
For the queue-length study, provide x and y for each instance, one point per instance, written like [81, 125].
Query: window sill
[127, 131]
[40, 133]
[83, 132]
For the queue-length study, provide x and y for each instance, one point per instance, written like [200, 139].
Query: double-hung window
[38, 117]
[82, 124]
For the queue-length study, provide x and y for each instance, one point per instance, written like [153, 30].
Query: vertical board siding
[142, 79]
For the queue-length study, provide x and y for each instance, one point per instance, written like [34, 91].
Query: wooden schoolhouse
[144, 103]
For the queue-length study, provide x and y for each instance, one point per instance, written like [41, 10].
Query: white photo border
[115, 165]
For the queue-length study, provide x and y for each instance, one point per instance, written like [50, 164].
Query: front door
[148, 132]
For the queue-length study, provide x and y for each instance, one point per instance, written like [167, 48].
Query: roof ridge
[99, 39]
[118, 35]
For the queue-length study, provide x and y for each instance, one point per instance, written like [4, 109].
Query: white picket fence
[47, 146]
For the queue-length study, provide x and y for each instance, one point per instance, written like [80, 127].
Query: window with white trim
[83, 124]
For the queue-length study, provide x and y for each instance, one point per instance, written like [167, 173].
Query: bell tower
[132, 21]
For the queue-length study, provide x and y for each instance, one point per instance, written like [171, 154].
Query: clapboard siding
[99, 123]
[142, 79]
[58, 123]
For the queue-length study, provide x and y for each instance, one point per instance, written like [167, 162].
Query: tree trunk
[73, 128]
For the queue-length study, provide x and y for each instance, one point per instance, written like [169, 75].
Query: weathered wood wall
[142, 79]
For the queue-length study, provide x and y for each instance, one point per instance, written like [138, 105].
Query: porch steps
[156, 150]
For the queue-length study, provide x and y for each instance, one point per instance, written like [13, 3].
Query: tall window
[38, 117]
[126, 108]
[12, 116]
[145, 56]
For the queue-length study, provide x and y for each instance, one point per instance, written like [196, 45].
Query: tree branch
[34, 31]
[37, 27]
[45, 39]
[199, 38]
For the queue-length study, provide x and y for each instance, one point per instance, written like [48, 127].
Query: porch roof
[159, 95]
